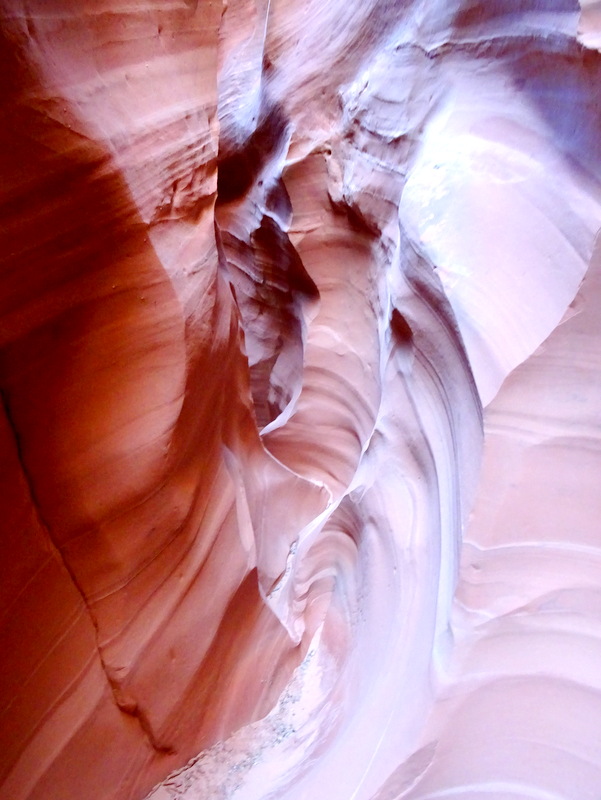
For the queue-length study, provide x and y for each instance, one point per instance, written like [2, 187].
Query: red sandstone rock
[263, 263]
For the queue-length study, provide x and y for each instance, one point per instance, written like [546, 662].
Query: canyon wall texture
[300, 372]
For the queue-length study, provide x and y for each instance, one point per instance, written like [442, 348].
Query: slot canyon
[300, 381]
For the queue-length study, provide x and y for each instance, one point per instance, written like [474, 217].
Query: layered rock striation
[300, 400]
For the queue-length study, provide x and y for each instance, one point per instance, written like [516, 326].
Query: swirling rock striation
[264, 264]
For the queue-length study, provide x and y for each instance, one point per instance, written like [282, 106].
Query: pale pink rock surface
[263, 264]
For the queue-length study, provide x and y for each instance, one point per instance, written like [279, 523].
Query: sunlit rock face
[301, 400]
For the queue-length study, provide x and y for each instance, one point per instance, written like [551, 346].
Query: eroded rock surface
[300, 400]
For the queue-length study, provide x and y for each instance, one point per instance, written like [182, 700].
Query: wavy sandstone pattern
[264, 263]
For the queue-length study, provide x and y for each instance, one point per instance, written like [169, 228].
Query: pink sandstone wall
[300, 370]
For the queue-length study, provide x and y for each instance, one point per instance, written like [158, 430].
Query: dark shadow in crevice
[240, 166]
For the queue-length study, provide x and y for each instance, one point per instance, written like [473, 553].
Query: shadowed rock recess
[300, 383]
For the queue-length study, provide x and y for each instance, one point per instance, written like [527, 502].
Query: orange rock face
[264, 263]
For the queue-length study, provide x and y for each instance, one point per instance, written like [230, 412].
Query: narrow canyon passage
[301, 400]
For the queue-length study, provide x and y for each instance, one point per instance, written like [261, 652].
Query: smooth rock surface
[301, 400]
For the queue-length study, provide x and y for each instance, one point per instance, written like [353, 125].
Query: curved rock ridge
[264, 264]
